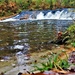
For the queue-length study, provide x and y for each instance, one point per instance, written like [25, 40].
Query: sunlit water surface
[30, 35]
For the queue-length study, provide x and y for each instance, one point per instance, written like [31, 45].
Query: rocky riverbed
[35, 57]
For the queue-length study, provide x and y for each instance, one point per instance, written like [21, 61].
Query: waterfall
[40, 16]
[64, 14]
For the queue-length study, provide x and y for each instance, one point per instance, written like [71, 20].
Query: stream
[32, 30]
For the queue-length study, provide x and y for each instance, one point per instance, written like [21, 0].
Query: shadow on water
[30, 35]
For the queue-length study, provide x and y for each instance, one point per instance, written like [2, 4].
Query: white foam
[40, 16]
[59, 15]
[9, 19]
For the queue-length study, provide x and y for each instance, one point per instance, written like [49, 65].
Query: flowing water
[36, 31]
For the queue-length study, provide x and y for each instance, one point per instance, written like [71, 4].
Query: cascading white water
[60, 15]
[66, 15]
[40, 16]
[54, 16]
[49, 15]
[9, 19]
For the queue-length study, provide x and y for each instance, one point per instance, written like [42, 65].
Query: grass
[57, 61]
[54, 63]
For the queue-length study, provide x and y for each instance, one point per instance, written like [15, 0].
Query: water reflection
[29, 35]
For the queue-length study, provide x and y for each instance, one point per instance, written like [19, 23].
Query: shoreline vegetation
[8, 8]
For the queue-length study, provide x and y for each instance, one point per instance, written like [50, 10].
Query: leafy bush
[71, 31]
[73, 44]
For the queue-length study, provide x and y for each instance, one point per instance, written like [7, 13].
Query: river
[36, 31]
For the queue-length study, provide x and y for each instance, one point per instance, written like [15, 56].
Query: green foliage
[20, 10]
[69, 35]
[45, 67]
[64, 64]
[2, 13]
[50, 64]
[54, 62]
[71, 31]
[7, 1]
[38, 2]
[35, 4]
[73, 44]
[65, 2]
[51, 4]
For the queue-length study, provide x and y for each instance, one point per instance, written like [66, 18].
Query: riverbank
[35, 57]
[6, 17]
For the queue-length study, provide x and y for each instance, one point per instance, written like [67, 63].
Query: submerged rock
[25, 17]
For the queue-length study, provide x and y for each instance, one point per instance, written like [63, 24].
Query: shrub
[71, 31]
